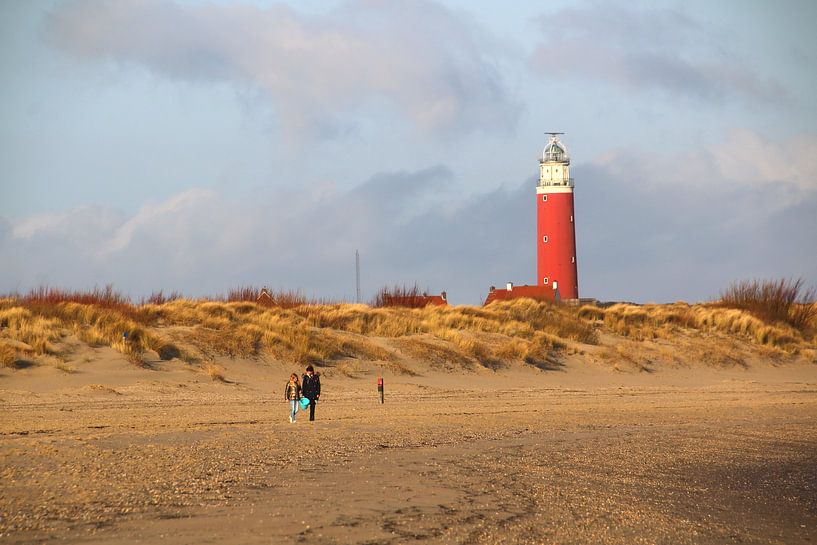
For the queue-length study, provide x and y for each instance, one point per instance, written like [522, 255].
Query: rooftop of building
[415, 301]
[539, 293]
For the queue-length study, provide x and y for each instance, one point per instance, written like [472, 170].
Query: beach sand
[114, 453]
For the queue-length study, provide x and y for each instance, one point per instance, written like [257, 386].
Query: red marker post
[380, 388]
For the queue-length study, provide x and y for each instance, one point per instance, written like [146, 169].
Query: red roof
[540, 293]
[414, 301]
[264, 297]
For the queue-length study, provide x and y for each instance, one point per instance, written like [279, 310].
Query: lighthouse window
[545, 238]
[573, 259]
[545, 280]
[544, 198]
[571, 219]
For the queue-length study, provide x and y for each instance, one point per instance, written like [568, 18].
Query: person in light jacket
[292, 393]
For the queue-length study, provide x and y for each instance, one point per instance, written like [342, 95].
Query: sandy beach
[113, 453]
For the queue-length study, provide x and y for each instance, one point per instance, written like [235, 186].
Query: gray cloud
[639, 49]
[202, 241]
[415, 57]
[638, 239]
[686, 242]
[685, 227]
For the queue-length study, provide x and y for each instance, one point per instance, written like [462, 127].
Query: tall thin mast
[357, 276]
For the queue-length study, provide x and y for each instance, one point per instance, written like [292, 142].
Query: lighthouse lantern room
[556, 236]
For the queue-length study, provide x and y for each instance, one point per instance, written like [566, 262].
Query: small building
[415, 301]
[264, 298]
[539, 293]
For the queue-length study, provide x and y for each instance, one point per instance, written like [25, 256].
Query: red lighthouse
[555, 233]
[556, 269]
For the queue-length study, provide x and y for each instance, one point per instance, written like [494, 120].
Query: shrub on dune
[8, 356]
[785, 300]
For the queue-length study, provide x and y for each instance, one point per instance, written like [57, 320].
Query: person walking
[292, 393]
[311, 389]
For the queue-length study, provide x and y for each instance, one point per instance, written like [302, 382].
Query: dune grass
[400, 296]
[39, 333]
[196, 330]
[290, 328]
[8, 356]
[645, 322]
[785, 301]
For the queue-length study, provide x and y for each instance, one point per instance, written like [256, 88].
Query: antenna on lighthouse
[357, 276]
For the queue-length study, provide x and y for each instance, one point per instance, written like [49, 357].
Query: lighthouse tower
[555, 233]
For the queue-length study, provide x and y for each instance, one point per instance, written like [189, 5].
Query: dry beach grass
[293, 329]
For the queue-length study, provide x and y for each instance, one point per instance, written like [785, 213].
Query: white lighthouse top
[555, 151]
[554, 167]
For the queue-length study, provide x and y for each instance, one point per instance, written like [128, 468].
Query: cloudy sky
[198, 146]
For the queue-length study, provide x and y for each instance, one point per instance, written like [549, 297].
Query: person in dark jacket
[311, 389]
[293, 393]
